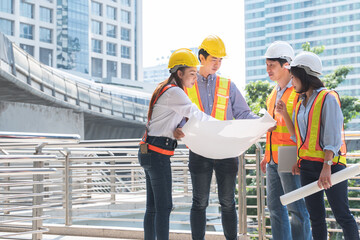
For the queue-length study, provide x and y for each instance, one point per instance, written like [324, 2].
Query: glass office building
[72, 35]
[99, 38]
[332, 23]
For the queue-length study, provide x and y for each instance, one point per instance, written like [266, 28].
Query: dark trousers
[337, 197]
[159, 204]
[201, 170]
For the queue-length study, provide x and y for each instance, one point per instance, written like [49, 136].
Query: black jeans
[201, 170]
[158, 189]
[337, 197]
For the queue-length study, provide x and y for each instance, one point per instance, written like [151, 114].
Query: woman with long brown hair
[168, 106]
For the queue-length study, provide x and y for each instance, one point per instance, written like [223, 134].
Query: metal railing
[21, 194]
[100, 183]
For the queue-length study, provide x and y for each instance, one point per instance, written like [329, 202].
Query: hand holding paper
[224, 139]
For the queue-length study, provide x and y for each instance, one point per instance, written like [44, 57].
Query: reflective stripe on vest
[310, 149]
[193, 94]
[280, 136]
[143, 140]
[221, 98]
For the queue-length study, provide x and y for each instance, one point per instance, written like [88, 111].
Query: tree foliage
[256, 95]
[317, 49]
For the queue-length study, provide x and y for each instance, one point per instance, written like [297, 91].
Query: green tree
[256, 95]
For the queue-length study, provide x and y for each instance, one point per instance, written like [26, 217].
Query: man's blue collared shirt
[237, 109]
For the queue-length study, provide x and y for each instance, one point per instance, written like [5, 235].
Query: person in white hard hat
[278, 56]
[317, 127]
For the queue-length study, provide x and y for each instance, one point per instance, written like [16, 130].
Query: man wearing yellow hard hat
[220, 98]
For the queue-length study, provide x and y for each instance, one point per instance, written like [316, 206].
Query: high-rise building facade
[98, 38]
[332, 23]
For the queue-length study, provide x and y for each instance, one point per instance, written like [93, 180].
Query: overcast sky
[172, 24]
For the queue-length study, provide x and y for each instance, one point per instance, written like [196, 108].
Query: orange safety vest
[280, 136]
[221, 99]
[310, 149]
[143, 140]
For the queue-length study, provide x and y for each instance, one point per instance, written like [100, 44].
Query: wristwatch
[330, 162]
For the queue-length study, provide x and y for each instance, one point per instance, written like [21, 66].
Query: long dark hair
[306, 80]
[174, 76]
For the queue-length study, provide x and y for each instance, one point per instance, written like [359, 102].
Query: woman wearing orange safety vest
[168, 105]
[317, 128]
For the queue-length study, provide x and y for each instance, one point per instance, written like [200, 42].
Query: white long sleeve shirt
[169, 110]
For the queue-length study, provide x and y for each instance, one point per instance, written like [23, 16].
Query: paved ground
[61, 237]
[57, 237]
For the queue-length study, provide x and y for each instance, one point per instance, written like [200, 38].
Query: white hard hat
[309, 61]
[280, 49]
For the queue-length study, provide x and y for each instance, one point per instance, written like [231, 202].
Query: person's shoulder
[328, 93]
[331, 97]
[174, 89]
[176, 92]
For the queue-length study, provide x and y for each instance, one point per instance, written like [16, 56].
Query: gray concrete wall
[24, 117]
[112, 130]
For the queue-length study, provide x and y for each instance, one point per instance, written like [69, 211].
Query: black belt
[162, 142]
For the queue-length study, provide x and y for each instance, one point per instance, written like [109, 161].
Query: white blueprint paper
[224, 139]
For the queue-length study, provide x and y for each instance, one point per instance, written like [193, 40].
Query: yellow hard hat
[213, 45]
[182, 57]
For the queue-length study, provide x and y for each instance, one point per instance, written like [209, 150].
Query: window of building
[126, 3]
[254, 6]
[96, 8]
[7, 27]
[26, 9]
[7, 6]
[96, 27]
[125, 71]
[111, 30]
[46, 14]
[111, 68]
[111, 12]
[125, 52]
[111, 49]
[125, 34]
[46, 56]
[45, 35]
[96, 45]
[26, 31]
[125, 16]
[96, 67]
[27, 48]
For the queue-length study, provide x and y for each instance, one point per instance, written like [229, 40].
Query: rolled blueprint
[313, 187]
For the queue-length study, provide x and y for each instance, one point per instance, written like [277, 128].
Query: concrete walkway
[58, 237]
